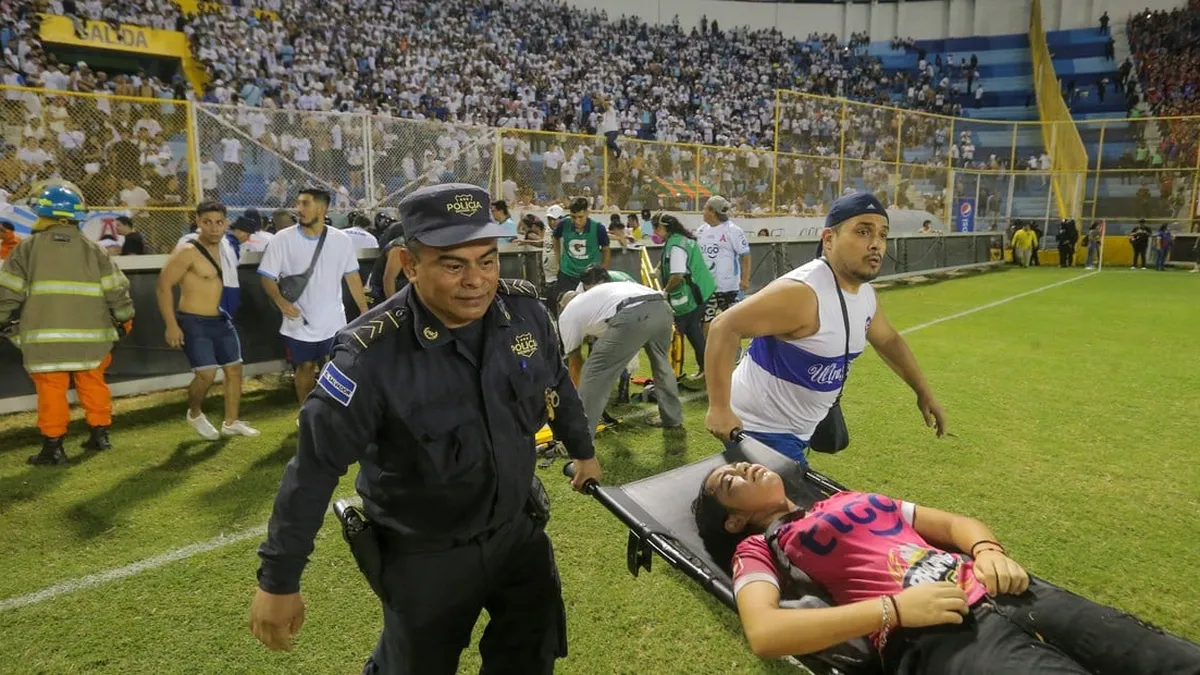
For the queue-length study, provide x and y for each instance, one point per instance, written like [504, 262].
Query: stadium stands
[371, 102]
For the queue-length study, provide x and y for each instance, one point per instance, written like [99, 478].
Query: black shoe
[98, 441]
[52, 452]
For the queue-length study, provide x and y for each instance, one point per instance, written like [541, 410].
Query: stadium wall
[142, 362]
[918, 19]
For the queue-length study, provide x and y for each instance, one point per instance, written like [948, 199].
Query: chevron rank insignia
[518, 287]
[375, 328]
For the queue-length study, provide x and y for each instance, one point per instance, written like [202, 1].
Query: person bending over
[891, 570]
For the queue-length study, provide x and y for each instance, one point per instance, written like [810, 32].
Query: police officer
[438, 393]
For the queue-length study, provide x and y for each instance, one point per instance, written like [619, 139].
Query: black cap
[244, 224]
[448, 215]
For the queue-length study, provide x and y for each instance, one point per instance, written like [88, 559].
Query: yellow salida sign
[125, 38]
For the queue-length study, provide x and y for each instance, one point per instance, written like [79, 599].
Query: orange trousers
[53, 410]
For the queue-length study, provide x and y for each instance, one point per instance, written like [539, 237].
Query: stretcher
[657, 511]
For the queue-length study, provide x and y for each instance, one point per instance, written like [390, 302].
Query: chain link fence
[128, 156]
[155, 159]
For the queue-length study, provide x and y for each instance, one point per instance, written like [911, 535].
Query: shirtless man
[204, 331]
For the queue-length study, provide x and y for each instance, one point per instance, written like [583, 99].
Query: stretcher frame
[649, 536]
[672, 493]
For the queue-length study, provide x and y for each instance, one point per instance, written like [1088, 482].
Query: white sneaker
[238, 428]
[203, 427]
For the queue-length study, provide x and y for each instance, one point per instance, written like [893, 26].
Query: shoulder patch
[335, 383]
[371, 331]
[518, 287]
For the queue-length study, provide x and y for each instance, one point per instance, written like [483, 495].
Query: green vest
[579, 249]
[618, 275]
[698, 285]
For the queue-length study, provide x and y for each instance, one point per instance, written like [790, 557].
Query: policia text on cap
[437, 393]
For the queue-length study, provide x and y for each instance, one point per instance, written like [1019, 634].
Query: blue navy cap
[853, 206]
[448, 215]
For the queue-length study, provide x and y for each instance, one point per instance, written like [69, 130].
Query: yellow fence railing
[157, 158]
[1069, 159]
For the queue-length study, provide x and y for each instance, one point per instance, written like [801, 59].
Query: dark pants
[1139, 253]
[434, 600]
[689, 325]
[1066, 255]
[1078, 637]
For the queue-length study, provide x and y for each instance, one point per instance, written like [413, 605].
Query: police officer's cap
[448, 215]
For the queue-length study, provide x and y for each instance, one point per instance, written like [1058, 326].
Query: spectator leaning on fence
[579, 241]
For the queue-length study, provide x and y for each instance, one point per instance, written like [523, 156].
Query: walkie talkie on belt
[360, 534]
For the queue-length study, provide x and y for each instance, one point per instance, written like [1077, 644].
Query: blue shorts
[788, 445]
[299, 351]
[209, 342]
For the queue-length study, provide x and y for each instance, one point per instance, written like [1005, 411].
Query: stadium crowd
[530, 65]
[1166, 46]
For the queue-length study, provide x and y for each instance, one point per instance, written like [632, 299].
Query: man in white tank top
[795, 366]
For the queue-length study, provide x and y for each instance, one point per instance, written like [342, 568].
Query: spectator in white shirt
[250, 237]
[311, 320]
[231, 164]
[624, 318]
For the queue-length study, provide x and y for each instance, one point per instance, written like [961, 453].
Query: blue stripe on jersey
[793, 364]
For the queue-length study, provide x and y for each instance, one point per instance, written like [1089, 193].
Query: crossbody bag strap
[207, 255]
[846, 323]
[320, 244]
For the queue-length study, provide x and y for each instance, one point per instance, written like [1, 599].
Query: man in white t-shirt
[357, 224]
[727, 251]
[231, 163]
[624, 317]
[312, 319]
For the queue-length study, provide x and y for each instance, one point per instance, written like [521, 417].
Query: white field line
[118, 573]
[224, 540]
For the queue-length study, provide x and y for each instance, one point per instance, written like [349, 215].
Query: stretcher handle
[590, 487]
[736, 435]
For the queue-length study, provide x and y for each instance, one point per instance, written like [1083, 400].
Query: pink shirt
[856, 546]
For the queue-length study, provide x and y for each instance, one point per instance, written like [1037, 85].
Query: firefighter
[64, 303]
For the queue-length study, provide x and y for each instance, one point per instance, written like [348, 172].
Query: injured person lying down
[895, 576]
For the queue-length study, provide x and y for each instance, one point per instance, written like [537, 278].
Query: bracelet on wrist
[887, 623]
[995, 546]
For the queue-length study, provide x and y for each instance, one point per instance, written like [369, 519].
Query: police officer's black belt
[396, 543]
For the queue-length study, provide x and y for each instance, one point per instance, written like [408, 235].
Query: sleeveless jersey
[788, 386]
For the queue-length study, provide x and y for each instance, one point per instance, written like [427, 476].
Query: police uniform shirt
[444, 436]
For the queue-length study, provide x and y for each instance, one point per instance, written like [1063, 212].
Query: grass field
[1074, 414]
